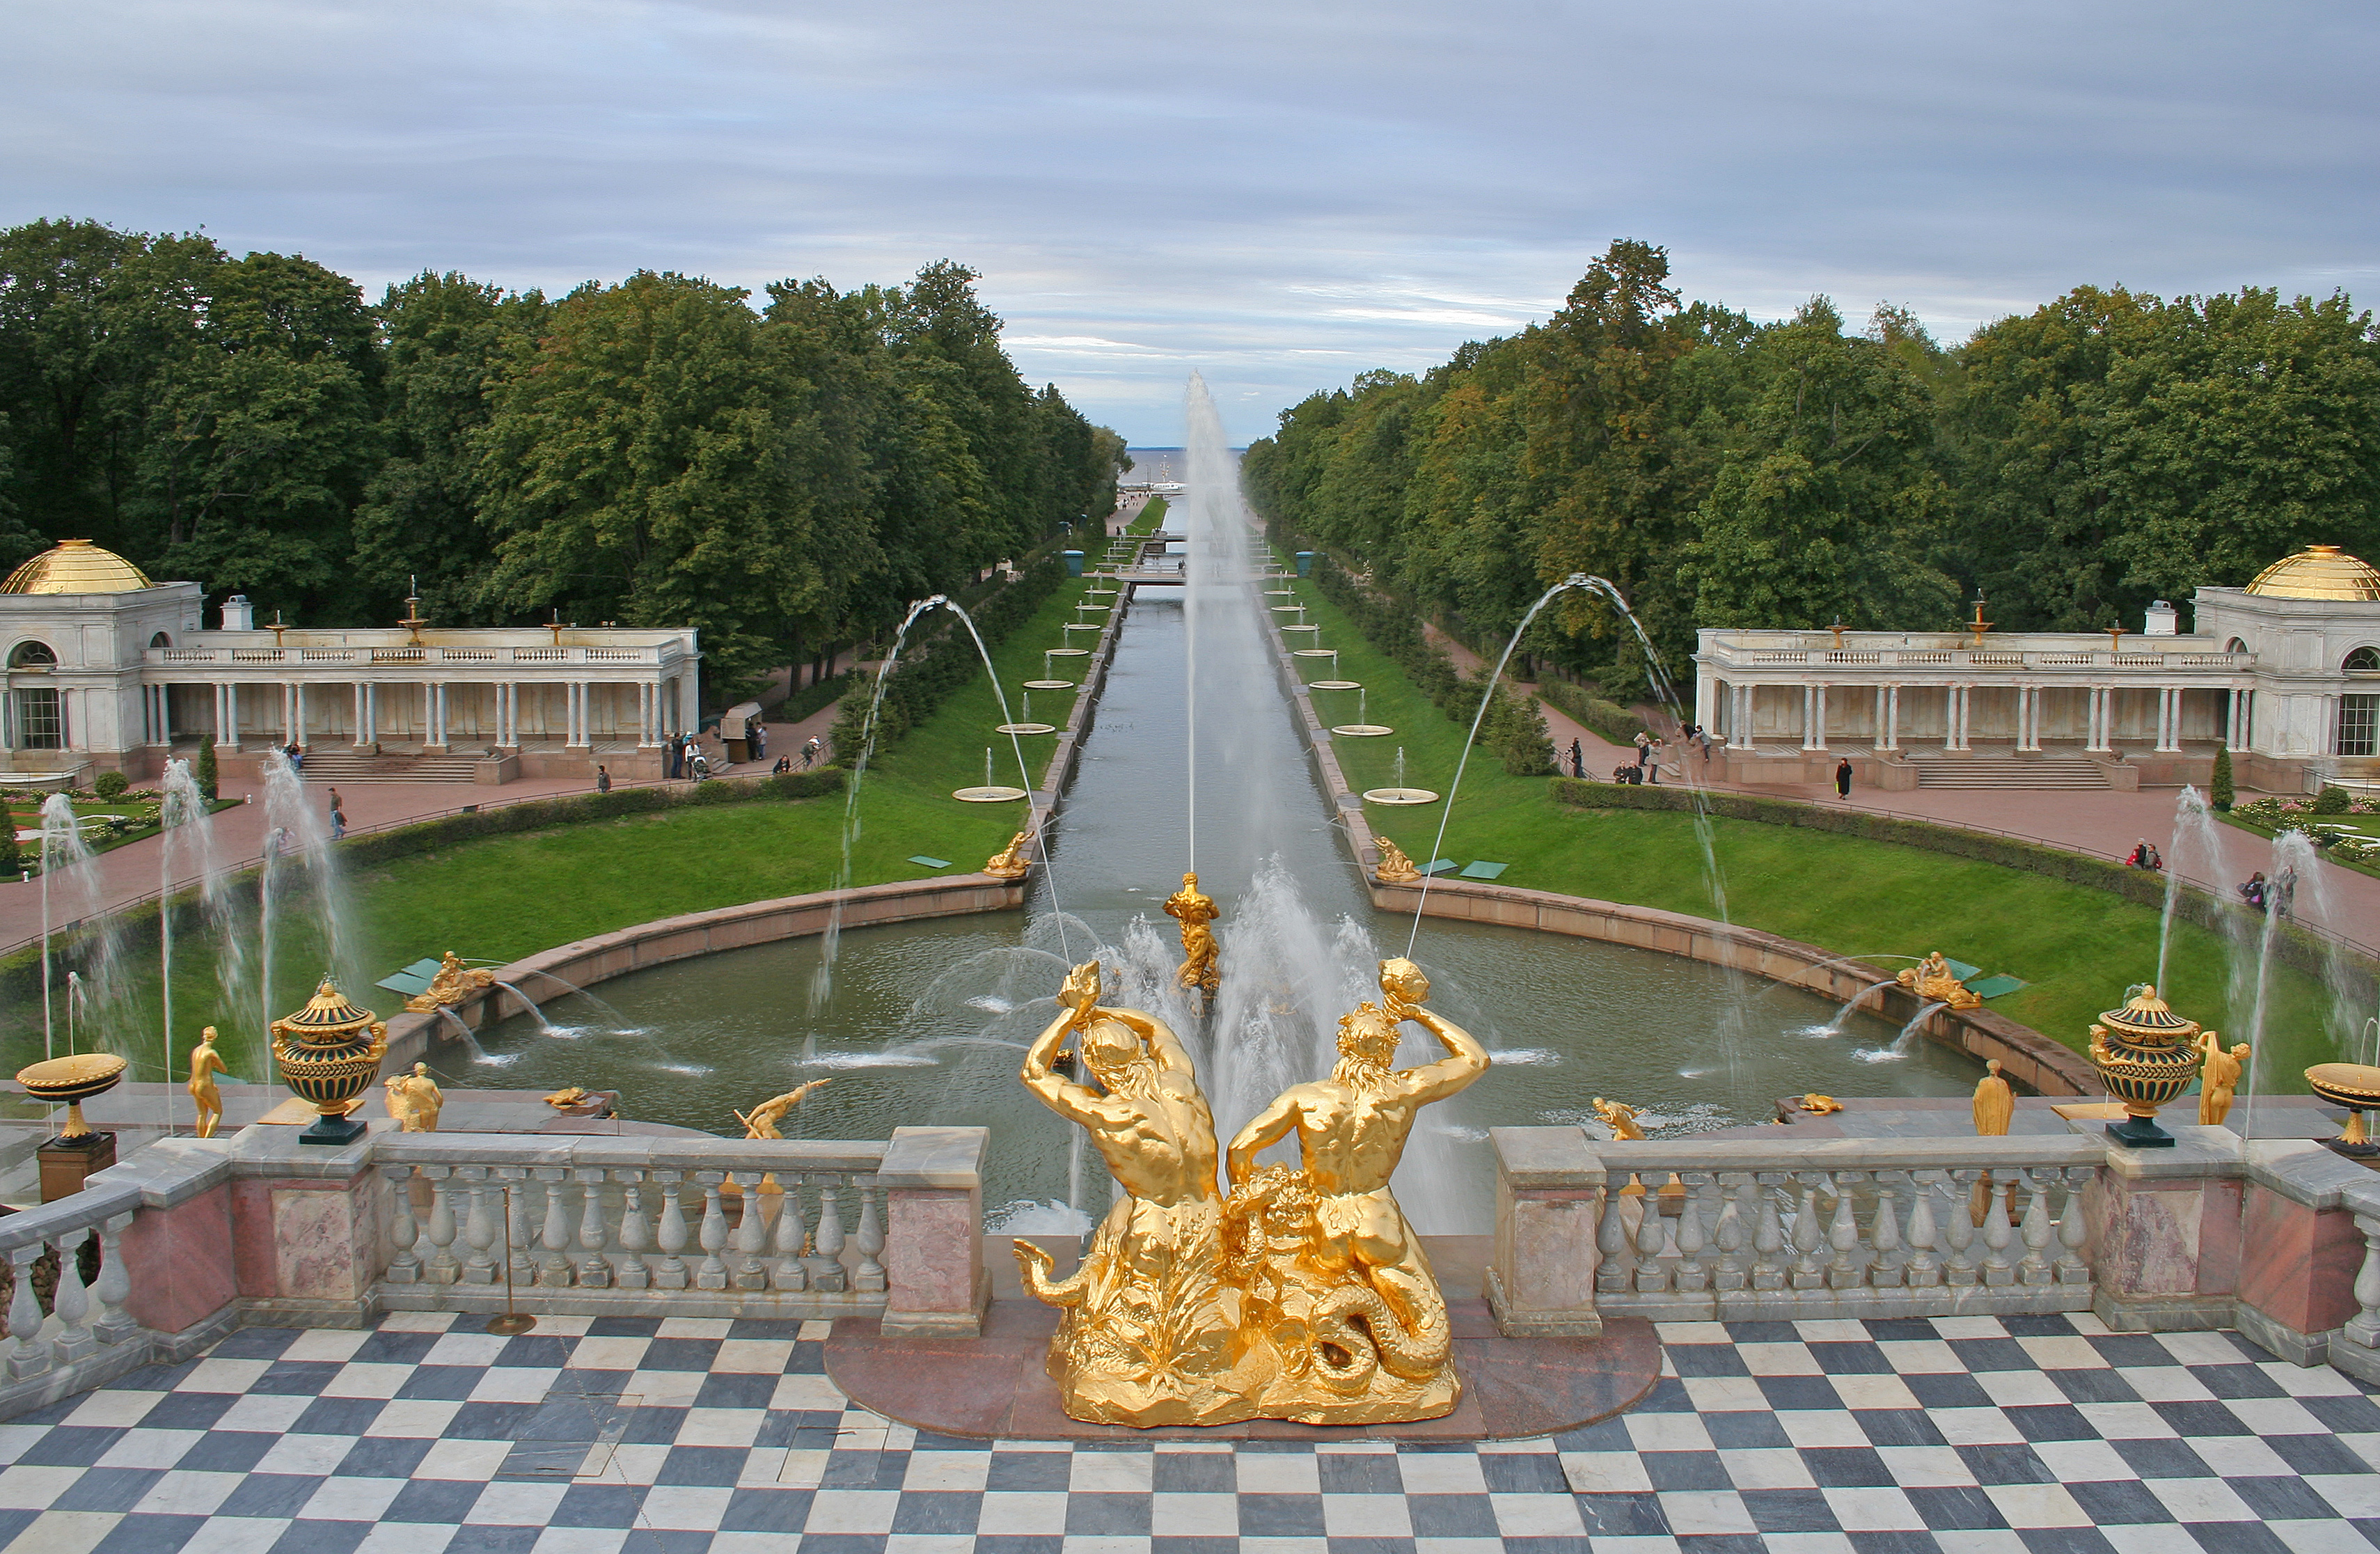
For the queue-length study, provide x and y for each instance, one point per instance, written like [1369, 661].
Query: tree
[205, 772]
[2219, 789]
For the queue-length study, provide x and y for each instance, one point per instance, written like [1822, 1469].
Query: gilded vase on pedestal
[2147, 1055]
[329, 1053]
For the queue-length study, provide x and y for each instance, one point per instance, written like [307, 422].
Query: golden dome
[2319, 572]
[76, 566]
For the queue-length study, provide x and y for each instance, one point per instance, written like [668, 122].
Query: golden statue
[453, 983]
[1818, 1105]
[576, 1095]
[1995, 1103]
[1010, 862]
[1338, 1285]
[1395, 868]
[1194, 912]
[2218, 1077]
[1149, 1335]
[1932, 980]
[205, 1064]
[414, 1099]
[764, 1118]
[1620, 1119]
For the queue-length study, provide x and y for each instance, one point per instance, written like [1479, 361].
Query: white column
[2168, 719]
[297, 711]
[687, 701]
[1875, 729]
[1954, 729]
[1818, 716]
[1809, 698]
[2027, 702]
[1705, 699]
[2243, 720]
[577, 691]
[363, 714]
[227, 713]
[1892, 718]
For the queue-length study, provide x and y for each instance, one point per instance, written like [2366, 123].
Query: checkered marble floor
[592, 1436]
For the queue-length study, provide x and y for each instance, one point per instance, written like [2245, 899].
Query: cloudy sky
[1282, 195]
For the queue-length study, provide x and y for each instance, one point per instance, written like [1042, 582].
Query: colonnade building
[2284, 673]
[107, 670]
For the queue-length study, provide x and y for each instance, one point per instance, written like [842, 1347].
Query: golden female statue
[2218, 1077]
[205, 1064]
[414, 1099]
[1149, 1334]
[763, 1119]
[1194, 912]
[1995, 1103]
[1357, 1325]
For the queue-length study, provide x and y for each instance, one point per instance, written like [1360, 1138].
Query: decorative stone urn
[2355, 1087]
[330, 1053]
[2147, 1055]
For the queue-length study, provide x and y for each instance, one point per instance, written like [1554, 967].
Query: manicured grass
[2370, 823]
[2078, 947]
[1152, 517]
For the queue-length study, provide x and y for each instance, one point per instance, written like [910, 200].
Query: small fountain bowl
[1399, 796]
[2355, 1087]
[66, 1081]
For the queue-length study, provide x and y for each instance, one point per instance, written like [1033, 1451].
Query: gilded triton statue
[1195, 910]
[1932, 981]
[453, 983]
[762, 1120]
[1395, 868]
[1338, 1283]
[1149, 1333]
[1011, 862]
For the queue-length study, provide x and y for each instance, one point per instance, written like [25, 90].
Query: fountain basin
[988, 793]
[1397, 796]
[1334, 685]
[1026, 728]
[1363, 731]
[1313, 652]
[1048, 684]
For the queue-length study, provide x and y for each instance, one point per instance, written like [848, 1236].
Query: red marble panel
[180, 1261]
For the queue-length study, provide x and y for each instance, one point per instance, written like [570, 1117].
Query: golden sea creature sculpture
[562, 1100]
[205, 1064]
[1010, 862]
[1995, 1103]
[762, 1120]
[1818, 1105]
[1149, 1333]
[1620, 1119]
[453, 982]
[1932, 980]
[1352, 1315]
[1195, 912]
[414, 1099]
[2218, 1077]
[1395, 868]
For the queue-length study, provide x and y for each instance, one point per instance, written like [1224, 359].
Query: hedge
[1608, 719]
[930, 672]
[2291, 944]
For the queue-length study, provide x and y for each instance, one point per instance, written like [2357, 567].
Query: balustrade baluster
[2073, 1229]
[1883, 1233]
[1692, 1274]
[712, 1275]
[404, 1267]
[826, 1267]
[1959, 1270]
[70, 1303]
[1613, 1269]
[442, 1268]
[1652, 1236]
[869, 1276]
[594, 1269]
[1923, 1268]
[555, 1232]
[2036, 1229]
[1807, 1273]
[31, 1356]
[671, 1274]
[1768, 1241]
[518, 1236]
[480, 1226]
[1732, 1272]
[636, 1235]
[751, 1236]
[1997, 1233]
[792, 1235]
[2363, 1327]
[115, 1286]
[1843, 1270]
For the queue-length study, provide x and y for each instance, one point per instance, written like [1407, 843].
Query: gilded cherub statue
[205, 1064]
[1195, 912]
[1395, 868]
[1619, 1119]
[2218, 1077]
[1149, 1331]
[1010, 862]
[761, 1121]
[1932, 980]
[453, 983]
[1351, 1312]
[414, 1099]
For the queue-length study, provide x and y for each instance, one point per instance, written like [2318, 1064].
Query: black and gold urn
[2355, 1087]
[2147, 1055]
[330, 1053]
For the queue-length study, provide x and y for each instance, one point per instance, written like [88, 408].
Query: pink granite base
[179, 1262]
[2302, 1269]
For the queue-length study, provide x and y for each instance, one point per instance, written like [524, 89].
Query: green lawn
[1152, 517]
[2079, 947]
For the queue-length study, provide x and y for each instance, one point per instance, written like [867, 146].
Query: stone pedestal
[307, 1229]
[1541, 1283]
[66, 1162]
[2166, 1233]
[933, 1255]
[2297, 1278]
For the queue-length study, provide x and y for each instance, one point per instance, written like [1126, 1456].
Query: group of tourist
[2277, 895]
[811, 750]
[2147, 857]
[682, 757]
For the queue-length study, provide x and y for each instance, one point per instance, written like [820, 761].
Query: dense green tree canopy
[2073, 463]
[655, 452]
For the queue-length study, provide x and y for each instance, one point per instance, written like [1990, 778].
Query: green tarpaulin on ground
[413, 980]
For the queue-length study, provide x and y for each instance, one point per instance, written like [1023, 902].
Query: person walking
[1577, 759]
[810, 752]
[602, 779]
[1843, 778]
[338, 817]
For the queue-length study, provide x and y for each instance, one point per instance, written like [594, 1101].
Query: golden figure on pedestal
[1195, 910]
[761, 1121]
[453, 982]
[1395, 868]
[1303, 1296]
[205, 1064]
[1995, 1103]
[2218, 1077]
[1010, 862]
[414, 1099]
[1932, 981]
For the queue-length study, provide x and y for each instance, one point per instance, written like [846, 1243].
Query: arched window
[161, 640]
[2363, 661]
[32, 655]
[2235, 645]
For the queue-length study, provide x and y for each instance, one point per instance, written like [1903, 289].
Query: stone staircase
[329, 766]
[2007, 771]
